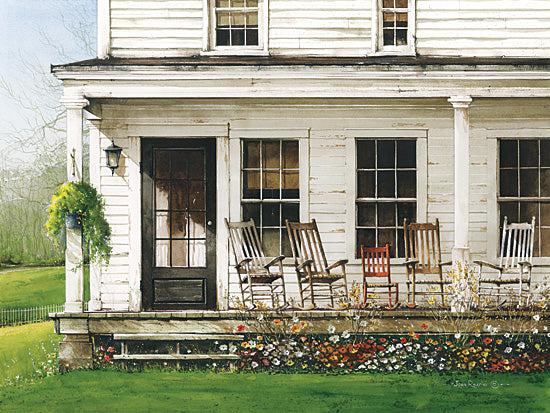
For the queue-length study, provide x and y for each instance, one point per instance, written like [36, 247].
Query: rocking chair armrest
[441, 264]
[274, 261]
[243, 262]
[337, 264]
[411, 263]
[304, 264]
[488, 264]
[525, 264]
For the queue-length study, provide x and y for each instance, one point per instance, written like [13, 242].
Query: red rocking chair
[376, 266]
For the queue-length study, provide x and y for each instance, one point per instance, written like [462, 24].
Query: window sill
[235, 52]
[395, 52]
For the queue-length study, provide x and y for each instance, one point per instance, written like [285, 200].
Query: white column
[461, 249]
[74, 275]
[95, 269]
[103, 28]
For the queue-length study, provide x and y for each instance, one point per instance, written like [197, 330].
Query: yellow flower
[245, 344]
[295, 328]
[277, 322]
[303, 324]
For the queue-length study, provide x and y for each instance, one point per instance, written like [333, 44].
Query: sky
[33, 35]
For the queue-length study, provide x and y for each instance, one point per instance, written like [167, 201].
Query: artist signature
[477, 384]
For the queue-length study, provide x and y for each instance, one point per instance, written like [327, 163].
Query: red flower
[487, 340]
[382, 339]
[240, 327]
[472, 341]
[107, 358]
[111, 350]
[403, 340]
[424, 326]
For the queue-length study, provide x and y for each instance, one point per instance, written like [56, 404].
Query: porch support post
[74, 275]
[461, 249]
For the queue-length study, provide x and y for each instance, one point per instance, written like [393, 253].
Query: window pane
[406, 154]
[252, 19]
[222, 19]
[508, 182]
[222, 3]
[290, 212]
[510, 210]
[161, 194]
[544, 214]
[237, 37]
[508, 153]
[197, 253]
[162, 165]
[196, 164]
[252, 211]
[528, 182]
[545, 182]
[251, 154]
[528, 210]
[400, 243]
[286, 248]
[290, 155]
[406, 184]
[291, 183]
[545, 152]
[179, 224]
[197, 224]
[388, 20]
[365, 237]
[387, 236]
[401, 19]
[179, 253]
[406, 210]
[366, 214]
[179, 164]
[386, 154]
[401, 37]
[222, 38]
[365, 154]
[389, 38]
[271, 215]
[401, 4]
[270, 241]
[365, 184]
[251, 185]
[271, 155]
[237, 3]
[251, 3]
[386, 184]
[536, 249]
[388, 4]
[162, 253]
[197, 195]
[545, 242]
[528, 153]
[179, 195]
[163, 228]
[271, 185]
[386, 214]
[237, 20]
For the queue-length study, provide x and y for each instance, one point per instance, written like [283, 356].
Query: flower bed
[291, 349]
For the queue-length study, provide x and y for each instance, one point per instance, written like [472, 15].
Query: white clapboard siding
[152, 28]
[483, 28]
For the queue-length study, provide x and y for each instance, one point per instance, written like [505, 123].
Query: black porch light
[112, 153]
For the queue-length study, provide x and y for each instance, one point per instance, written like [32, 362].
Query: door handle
[209, 223]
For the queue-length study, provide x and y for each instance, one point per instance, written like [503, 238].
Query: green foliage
[26, 351]
[118, 391]
[83, 200]
[35, 287]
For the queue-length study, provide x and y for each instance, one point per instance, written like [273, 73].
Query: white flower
[232, 348]
[299, 354]
[391, 349]
[398, 345]
[292, 343]
[521, 345]
[431, 361]
[275, 362]
[356, 317]
[536, 317]
[361, 366]
[214, 364]
[494, 330]
[384, 361]
[331, 329]
[334, 339]
[487, 327]
[346, 334]
[286, 352]
[389, 368]
[441, 366]
[458, 335]
[254, 364]
[417, 346]
[363, 323]
[223, 347]
[507, 335]
[260, 317]
[535, 331]
[545, 328]
[508, 349]
[295, 319]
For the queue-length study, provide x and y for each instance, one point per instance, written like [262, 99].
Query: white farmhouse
[358, 113]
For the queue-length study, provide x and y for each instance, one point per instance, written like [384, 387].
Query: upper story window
[236, 26]
[395, 27]
[524, 187]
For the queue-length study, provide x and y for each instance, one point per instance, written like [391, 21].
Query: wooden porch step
[176, 357]
[177, 337]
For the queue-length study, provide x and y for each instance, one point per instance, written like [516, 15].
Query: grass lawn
[155, 391]
[23, 345]
[34, 287]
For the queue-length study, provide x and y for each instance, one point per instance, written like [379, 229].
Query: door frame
[147, 225]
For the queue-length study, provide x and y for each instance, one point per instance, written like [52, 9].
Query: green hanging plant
[86, 205]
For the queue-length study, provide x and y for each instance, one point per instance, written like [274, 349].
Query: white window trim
[377, 38]
[209, 33]
[352, 135]
[493, 135]
[235, 183]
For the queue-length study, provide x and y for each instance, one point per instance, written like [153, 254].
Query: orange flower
[277, 322]
[382, 339]
[303, 324]
[295, 328]
[448, 342]
[304, 339]
[487, 340]
[499, 341]
[259, 338]
[411, 333]
[424, 326]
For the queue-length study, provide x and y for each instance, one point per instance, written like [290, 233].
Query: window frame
[209, 32]
[377, 39]
[352, 135]
[493, 162]
[236, 136]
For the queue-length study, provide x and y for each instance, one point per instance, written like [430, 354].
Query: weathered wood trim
[103, 28]
[518, 133]
[304, 175]
[223, 211]
[385, 133]
[351, 192]
[235, 180]
[259, 133]
[492, 205]
[133, 162]
[176, 130]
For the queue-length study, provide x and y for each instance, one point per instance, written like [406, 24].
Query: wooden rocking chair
[257, 279]
[376, 265]
[312, 268]
[423, 258]
[516, 254]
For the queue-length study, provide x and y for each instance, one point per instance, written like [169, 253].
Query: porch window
[385, 192]
[270, 189]
[524, 187]
[395, 25]
[235, 23]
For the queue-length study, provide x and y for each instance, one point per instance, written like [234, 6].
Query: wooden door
[178, 224]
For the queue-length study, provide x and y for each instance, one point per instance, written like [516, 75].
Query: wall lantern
[112, 153]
